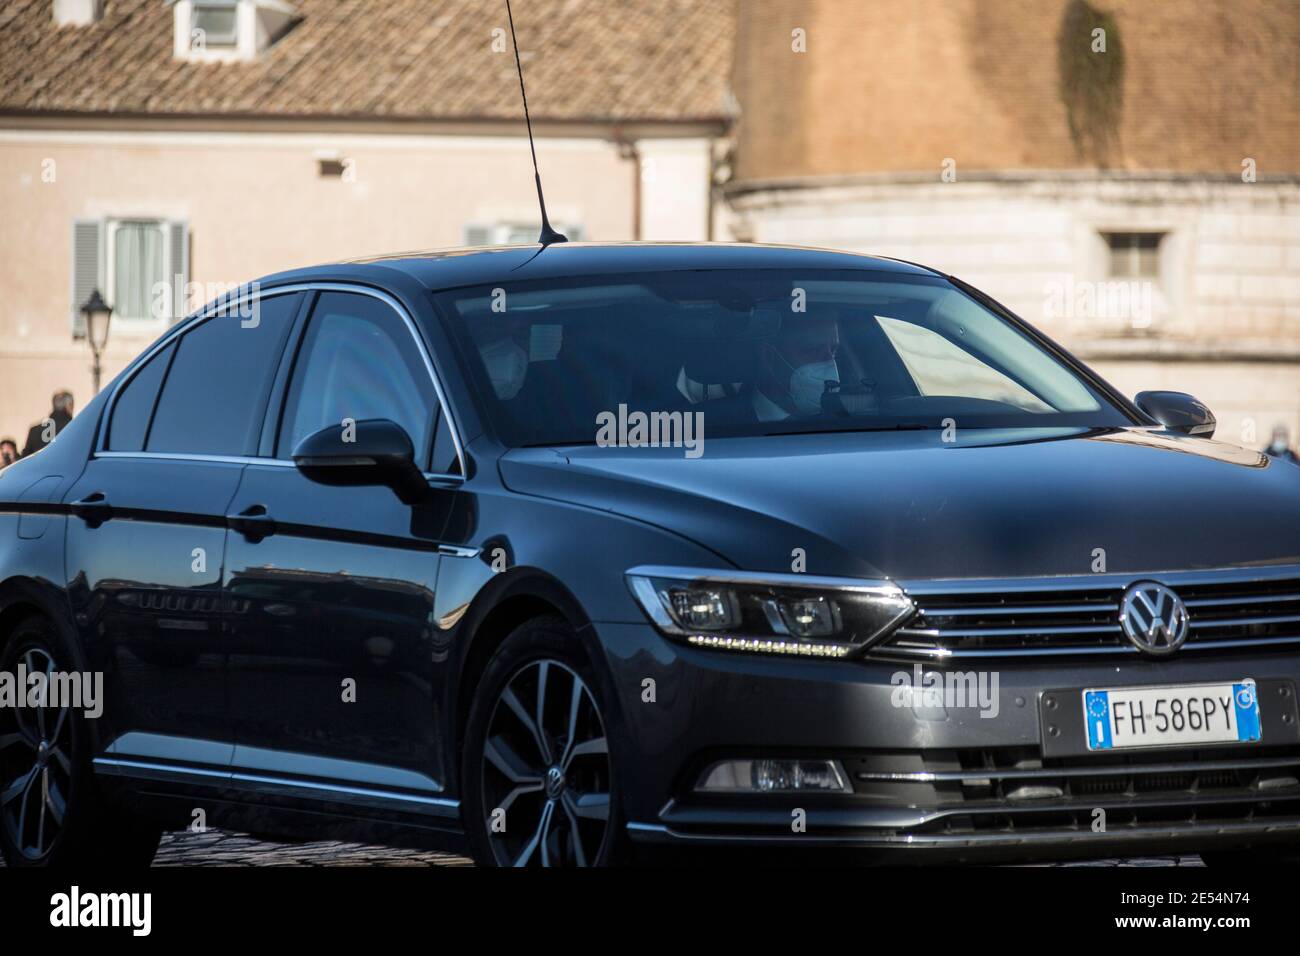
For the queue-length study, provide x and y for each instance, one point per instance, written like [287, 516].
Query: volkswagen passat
[550, 554]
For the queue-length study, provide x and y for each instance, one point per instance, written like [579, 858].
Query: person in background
[1280, 446]
[8, 452]
[41, 434]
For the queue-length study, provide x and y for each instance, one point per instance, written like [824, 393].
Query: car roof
[453, 268]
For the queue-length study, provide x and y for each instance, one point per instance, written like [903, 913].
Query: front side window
[757, 352]
[358, 361]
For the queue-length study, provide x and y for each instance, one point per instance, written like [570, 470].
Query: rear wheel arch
[86, 827]
[22, 598]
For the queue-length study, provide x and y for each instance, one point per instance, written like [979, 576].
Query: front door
[331, 589]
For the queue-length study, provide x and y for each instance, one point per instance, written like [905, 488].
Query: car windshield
[756, 352]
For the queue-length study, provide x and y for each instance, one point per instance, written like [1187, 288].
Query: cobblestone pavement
[222, 848]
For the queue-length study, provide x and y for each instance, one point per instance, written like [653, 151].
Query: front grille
[1227, 611]
[1014, 789]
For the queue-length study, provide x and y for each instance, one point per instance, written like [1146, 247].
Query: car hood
[909, 505]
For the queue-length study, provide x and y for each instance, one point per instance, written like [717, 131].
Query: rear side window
[358, 361]
[129, 425]
[216, 389]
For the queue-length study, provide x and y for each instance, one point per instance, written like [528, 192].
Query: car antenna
[548, 235]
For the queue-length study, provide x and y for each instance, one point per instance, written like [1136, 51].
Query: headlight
[769, 613]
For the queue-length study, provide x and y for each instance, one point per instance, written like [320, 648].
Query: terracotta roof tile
[603, 60]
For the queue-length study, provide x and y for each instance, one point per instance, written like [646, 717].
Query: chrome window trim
[238, 460]
[456, 551]
[224, 305]
[179, 456]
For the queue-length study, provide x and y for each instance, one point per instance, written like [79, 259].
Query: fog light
[773, 776]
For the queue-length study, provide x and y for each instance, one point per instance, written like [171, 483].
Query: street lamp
[97, 313]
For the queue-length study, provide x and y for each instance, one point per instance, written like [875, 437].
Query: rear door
[331, 589]
[147, 536]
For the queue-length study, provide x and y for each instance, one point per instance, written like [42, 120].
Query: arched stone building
[1135, 192]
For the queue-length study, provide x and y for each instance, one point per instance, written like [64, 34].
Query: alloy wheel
[35, 766]
[546, 770]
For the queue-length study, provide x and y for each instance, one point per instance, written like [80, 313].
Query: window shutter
[478, 236]
[87, 256]
[178, 266]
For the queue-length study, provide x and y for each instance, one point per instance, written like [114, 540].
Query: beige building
[163, 152]
[1126, 175]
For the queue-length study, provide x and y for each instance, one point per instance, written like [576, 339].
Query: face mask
[808, 382]
[507, 364]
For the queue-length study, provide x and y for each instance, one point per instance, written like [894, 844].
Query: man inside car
[795, 368]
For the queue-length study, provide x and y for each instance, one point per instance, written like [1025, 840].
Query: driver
[795, 367]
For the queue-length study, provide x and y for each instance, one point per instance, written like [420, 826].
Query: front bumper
[968, 783]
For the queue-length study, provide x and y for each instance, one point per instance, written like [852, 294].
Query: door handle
[253, 523]
[93, 509]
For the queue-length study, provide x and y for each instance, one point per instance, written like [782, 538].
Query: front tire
[538, 773]
[51, 814]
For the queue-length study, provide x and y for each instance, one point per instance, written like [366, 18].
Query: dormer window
[214, 25]
[228, 30]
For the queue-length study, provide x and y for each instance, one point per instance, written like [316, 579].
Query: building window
[137, 270]
[515, 233]
[214, 26]
[139, 264]
[1134, 255]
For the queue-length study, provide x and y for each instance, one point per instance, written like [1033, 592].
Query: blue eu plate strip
[1097, 708]
[1247, 705]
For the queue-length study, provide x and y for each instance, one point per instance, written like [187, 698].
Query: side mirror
[375, 451]
[1179, 412]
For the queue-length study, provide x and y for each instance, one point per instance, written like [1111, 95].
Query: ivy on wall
[1090, 59]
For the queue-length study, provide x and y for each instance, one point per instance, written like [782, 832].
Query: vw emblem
[1153, 618]
[554, 783]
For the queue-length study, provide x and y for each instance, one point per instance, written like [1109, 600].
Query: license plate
[1172, 716]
